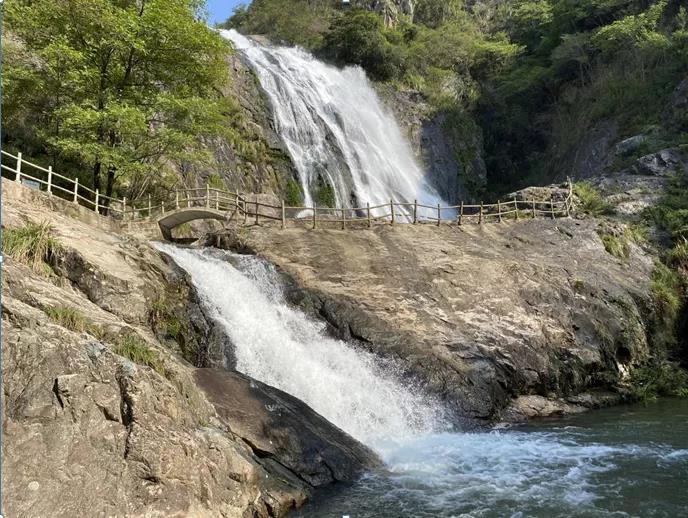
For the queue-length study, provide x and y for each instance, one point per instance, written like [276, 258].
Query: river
[619, 462]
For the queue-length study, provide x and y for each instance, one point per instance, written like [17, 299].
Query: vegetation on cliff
[121, 89]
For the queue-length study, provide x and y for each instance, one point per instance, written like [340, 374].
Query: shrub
[659, 378]
[32, 244]
[324, 196]
[293, 197]
[591, 201]
[132, 347]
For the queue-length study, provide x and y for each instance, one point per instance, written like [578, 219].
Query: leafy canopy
[116, 84]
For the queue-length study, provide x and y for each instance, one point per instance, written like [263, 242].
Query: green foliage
[678, 255]
[357, 38]
[134, 348]
[215, 181]
[667, 291]
[74, 320]
[616, 245]
[591, 201]
[119, 87]
[324, 196]
[68, 317]
[295, 22]
[293, 196]
[659, 378]
[164, 319]
[32, 244]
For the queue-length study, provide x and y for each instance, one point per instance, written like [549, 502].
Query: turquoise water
[618, 462]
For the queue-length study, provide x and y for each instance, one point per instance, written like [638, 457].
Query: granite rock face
[89, 432]
[479, 315]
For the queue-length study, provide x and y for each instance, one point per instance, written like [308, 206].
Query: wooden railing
[242, 209]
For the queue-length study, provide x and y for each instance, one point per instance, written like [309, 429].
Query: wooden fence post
[150, 210]
[415, 211]
[284, 222]
[50, 180]
[217, 200]
[499, 210]
[19, 164]
[391, 206]
[551, 206]
[236, 201]
[188, 197]
[439, 215]
[315, 215]
[461, 214]
[534, 215]
[162, 207]
[176, 199]
[257, 209]
[516, 208]
[370, 221]
[76, 190]
[124, 208]
[96, 203]
[343, 218]
[480, 217]
[207, 196]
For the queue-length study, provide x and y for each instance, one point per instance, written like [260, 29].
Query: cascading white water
[335, 127]
[279, 345]
[562, 471]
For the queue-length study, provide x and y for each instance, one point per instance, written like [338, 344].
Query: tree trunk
[110, 186]
[96, 175]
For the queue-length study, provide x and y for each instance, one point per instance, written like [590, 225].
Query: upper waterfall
[336, 129]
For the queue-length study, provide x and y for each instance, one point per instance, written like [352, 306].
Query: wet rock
[281, 428]
[478, 315]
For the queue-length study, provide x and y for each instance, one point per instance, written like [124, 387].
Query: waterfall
[279, 345]
[336, 129]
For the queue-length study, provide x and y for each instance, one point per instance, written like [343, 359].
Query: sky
[220, 10]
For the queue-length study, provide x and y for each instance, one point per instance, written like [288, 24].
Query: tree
[358, 37]
[122, 85]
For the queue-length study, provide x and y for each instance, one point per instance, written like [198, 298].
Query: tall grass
[137, 350]
[591, 201]
[74, 320]
[32, 244]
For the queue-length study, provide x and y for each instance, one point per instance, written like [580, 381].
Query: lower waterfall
[279, 345]
[577, 468]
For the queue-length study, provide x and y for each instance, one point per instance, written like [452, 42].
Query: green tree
[120, 84]
[358, 37]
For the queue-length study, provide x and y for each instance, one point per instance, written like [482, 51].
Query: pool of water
[617, 462]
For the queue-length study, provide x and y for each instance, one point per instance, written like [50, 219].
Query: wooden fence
[249, 209]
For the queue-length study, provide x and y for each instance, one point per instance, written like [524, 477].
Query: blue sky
[220, 10]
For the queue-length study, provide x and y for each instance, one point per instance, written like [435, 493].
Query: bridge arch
[173, 219]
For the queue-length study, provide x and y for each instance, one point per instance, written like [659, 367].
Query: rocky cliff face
[104, 416]
[255, 159]
[501, 321]
[448, 145]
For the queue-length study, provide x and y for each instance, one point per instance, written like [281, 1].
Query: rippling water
[626, 461]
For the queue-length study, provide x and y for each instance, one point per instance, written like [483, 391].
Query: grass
[591, 201]
[163, 318]
[32, 245]
[667, 290]
[617, 246]
[74, 320]
[659, 378]
[678, 255]
[134, 348]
